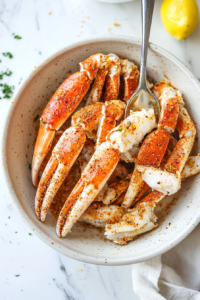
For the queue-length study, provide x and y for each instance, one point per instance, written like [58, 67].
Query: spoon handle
[146, 14]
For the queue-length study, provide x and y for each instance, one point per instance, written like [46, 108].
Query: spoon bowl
[143, 97]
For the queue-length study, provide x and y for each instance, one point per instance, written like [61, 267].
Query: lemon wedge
[179, 17]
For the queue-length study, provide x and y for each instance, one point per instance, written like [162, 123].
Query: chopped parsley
[6, 90]
[9, 217]
[87, 112]
[119, 129]
[118, 177]
[129, 124]
[30, 233]
[53, 279]
[7, 54]
[79, 121]
[127, 180]
[17, 275]
[6, 73]
[16, 36]
[168, 193]
[29, 166]
[116, 195]
[196, 139]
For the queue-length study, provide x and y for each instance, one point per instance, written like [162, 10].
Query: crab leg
[113, 111]
[154, 146]
[113, 81]
[97, 87]
[99, 214]
[115, 190]
[130, 75]
[180, 154]
[63, 103]
[129, 133]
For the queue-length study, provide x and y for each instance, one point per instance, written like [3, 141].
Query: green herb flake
[15, 231]
[168, 193]
[0, 60]
[7, 90]
[129, 124]
[87, 112]
[53, 279]
[29, 166]
[9, 217]
[196, 139]
[118, 177]
[17, 275]
[116, 195]
[119, 129]
[127, 180]
[6, 73]
[30, 233]
[36, 117]
[17, 37]
[79, 121]
[7, 54]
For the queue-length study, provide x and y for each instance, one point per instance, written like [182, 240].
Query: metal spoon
[143, 97]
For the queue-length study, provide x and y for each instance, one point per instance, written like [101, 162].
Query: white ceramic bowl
[31, 98]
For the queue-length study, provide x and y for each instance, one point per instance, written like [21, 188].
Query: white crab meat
[162, 181]
[98, 215]
[132, 130]
[135, 222]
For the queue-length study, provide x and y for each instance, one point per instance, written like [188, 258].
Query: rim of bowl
[70, 253]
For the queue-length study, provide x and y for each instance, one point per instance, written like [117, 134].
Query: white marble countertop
[29, 269]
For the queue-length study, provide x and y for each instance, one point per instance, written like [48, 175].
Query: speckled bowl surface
[89, 245]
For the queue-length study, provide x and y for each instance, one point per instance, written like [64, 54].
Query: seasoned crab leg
[99, 214]
[179, 157]
[63, 103]
[66, 151]
[96, 91]
[154, 146]
[129, 133]
[130, 75]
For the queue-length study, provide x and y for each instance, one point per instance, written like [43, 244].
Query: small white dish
[18, 138]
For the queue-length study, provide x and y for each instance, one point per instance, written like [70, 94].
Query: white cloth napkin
[174, 275]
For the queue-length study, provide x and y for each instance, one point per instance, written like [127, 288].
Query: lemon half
[179, 17]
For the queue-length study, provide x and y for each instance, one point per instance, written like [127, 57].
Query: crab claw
[63, 157]
[59, 108]
[92, 180]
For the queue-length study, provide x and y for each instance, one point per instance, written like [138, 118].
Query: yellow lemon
[180, 17]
